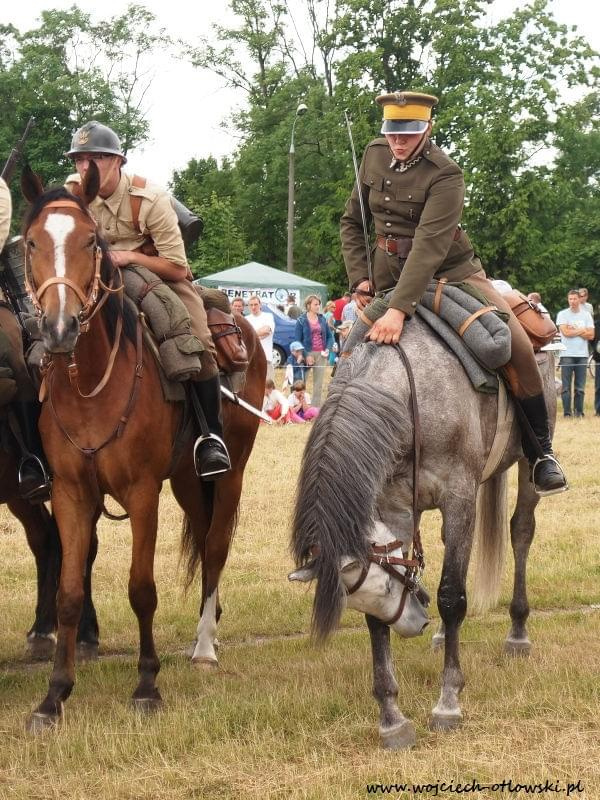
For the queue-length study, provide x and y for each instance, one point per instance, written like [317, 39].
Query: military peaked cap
[406, 112]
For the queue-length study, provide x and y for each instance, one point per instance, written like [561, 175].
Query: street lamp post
[302, 109]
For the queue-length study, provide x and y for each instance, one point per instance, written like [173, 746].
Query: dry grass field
[283, 719]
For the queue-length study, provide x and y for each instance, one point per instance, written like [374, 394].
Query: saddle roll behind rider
[139, 223]
[412, 194]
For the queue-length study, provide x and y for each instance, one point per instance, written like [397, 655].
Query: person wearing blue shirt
[576, 328]
[316, 337]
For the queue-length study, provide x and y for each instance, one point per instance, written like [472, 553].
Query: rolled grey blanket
[487, 337]
[170, 323]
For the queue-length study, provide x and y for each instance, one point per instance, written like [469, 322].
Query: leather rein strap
[380, 553]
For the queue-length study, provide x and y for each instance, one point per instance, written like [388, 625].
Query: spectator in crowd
[317, 339]
[295, 366]
[276, 404]
[329, 309]
[264, 325]
[349, 310]
[301, 409]
[342, 332]
[584, 300]
[292, 309]
[237, 306]
[535, 297]
[596, 357]
[339, 306]
[576, 328]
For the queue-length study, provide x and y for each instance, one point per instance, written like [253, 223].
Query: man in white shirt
[576, 327]
[264, 325]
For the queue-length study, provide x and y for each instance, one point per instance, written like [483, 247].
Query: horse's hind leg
[395, 731]
[42, 537]
[522, 528]
[216, 549]
[143, 513]
[459, 520]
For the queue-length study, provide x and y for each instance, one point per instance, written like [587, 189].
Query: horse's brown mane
[112, 308]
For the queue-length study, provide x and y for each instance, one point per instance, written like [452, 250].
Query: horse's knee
[69, 606]
[452, 602]
[143, 597]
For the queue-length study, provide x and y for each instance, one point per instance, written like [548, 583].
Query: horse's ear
[90, 183]
[31, 185]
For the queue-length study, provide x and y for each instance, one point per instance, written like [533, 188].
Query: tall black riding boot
[34, 476]
[211, 458]
[547, 475]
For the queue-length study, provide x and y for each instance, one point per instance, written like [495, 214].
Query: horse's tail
[491, 535]
[192, 548]
[355, 445]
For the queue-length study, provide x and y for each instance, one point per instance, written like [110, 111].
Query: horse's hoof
[517, 648]
[86, 651]
[38, 722]
[398, 737]
[445, 722]
[207, 664]
[147, 705]
[41, 648]
[438, 640]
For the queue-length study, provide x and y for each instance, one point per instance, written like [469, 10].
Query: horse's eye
[31, 244]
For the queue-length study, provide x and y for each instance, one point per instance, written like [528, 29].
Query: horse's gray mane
[360, 437]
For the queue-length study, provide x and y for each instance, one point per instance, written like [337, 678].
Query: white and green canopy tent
[272, 285]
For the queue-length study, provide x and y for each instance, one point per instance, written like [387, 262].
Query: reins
[380, 553]
[91, 306]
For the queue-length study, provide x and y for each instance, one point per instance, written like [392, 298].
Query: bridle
[90, 304]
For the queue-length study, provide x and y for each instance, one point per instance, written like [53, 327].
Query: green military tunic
[424, 202]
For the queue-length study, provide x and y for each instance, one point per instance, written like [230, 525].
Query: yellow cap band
[394, 111]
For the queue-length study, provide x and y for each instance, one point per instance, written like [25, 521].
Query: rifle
[16, 152]
[8, 281]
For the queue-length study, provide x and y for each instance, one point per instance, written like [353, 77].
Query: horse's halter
[90, 304]
[89, 301]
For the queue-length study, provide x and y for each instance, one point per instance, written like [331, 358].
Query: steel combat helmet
[406, 112]
[94, 137]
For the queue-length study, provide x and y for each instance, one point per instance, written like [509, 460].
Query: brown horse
[107, 429]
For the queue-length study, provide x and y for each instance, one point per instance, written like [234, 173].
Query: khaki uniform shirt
[424, 203]
[157, 219]
[5, 212]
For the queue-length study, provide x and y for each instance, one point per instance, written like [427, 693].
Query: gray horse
[355, 489]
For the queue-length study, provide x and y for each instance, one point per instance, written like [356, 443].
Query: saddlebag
[537, 325]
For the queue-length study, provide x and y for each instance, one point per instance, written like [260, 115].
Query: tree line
[518, 110]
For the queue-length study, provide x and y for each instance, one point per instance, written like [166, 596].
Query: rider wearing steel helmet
[152, 239]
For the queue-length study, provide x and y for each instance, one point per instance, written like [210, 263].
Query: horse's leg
[439, 637]
[459, 520]
[42, 537]
[216, 549]
[143, 513]
[74, 518]
[395, 731]
[88, 631]
[522, 528]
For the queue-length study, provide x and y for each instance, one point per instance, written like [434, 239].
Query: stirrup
[558, 489]
[209, 474]
[40, 492]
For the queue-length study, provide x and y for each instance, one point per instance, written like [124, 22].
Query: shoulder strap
[136, 201]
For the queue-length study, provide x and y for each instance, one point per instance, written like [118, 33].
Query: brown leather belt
[400, 246]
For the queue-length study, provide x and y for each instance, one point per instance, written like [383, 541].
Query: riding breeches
[522, 370]
[190, 298]
[10, 327]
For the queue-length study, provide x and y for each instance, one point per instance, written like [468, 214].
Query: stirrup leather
[542, 492]
[199, 442]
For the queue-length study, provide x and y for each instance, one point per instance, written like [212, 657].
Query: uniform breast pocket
[410, 202]
[375, 185]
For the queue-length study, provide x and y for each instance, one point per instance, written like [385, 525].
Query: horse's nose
[59, 334]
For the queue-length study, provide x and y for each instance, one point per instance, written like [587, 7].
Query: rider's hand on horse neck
[387, 329]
